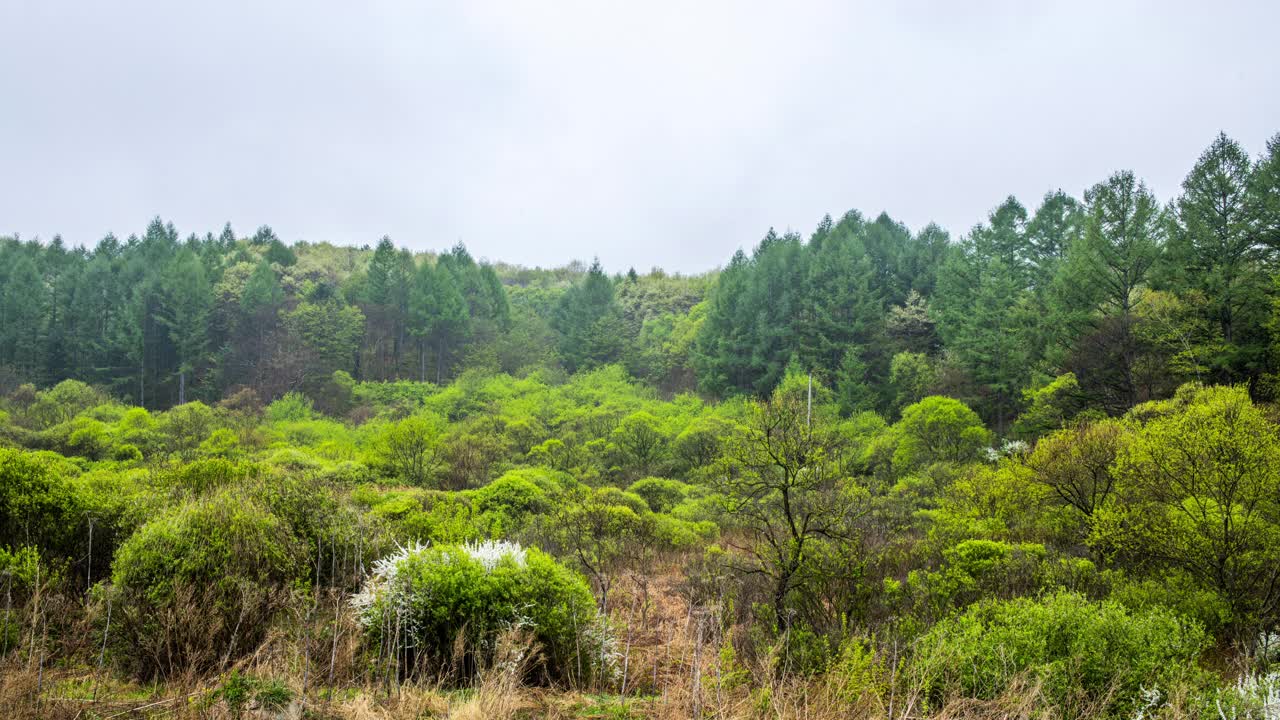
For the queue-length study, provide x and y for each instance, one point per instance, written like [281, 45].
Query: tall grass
[682, 659]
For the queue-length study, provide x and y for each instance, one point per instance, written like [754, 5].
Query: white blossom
[382, 581]
[490, 552]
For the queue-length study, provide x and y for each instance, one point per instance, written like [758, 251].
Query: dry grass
[677, 663]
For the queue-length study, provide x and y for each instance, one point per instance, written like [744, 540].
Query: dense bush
[1092, 658]
[37, 505]
[938, 429]
[661, 494]
[201, 581]
[446, 597]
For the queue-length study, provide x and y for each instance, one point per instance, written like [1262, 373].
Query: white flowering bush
[1009, 448]
[1254, 695]
[428, 598]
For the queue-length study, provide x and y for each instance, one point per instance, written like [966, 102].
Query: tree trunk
[439, 362]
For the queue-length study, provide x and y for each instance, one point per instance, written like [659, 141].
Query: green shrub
[509, 501]
[19, 566]
[1090, 656]
[185, 427]
[477, 592]
[137, 427]
[62, 402]
[305, 502]
[202, 476]
[293, 407]
[613, 496]
[675, 534]
[221, 443]
[37, 504]
[661, 494]
[937, 429]
[87, 438]
[423, 515]
[202, 581]
[239, 692]
[126, 453]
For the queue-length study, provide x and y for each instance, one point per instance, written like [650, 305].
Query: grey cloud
[661, 133]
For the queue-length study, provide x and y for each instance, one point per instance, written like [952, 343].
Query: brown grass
[678, 664]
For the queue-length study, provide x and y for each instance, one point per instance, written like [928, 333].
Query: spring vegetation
[1030, 471]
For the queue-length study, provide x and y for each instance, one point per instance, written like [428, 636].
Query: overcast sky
[647, 133]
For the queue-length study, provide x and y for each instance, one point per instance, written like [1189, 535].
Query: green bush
[185, 427]
[37, 504]
[220, 541]
[87, 438]
[306, 503]
[506, 503]
[661, 494]
[937, 429]
[202, 476]
[201, 582]
[221, 443]
[62, 402]
[423, 515]
[240, 692]
[293, 407]
[126, 453]
[620, 498]
[476, 592]
[1091, 657]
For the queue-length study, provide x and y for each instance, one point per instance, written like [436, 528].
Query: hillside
[1030, 471]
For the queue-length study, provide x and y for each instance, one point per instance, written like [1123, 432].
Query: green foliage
[126, 453]
[1093, 658]
[1049, 407]
[911, 375]
[588, 318]
[938, 429]
[202, 572]
[661, 494]
[410, 449]
[240, 692]
[1198, 491]
[292, 407]
[221, 542]
[641, 441]
[20, 568]
[183, 428]
[477, 592]
[508, 502]
[61, 403]
[38, 506]
[203, 476]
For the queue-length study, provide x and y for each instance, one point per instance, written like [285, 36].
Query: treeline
[161, 320]
[1130, 296]
[1084, 304]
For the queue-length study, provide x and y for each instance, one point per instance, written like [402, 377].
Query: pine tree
[185, 314]
[588, 321]
[1215, 249]
[1098, 286]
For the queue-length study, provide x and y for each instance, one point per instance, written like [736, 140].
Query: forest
[1031, 470]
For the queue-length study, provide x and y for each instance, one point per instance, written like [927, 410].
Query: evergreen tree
[588, 319]
[1215, 249]
[22, 312]
[1098, 287]
[185, 314]
[1264, 197]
